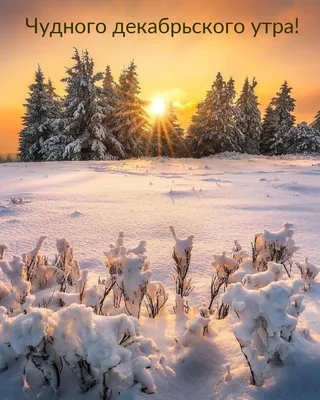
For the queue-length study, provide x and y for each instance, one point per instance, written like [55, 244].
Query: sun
[158, 107]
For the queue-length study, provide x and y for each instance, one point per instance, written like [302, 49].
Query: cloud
[183, 106]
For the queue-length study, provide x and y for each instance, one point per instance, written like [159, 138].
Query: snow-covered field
[217, 200]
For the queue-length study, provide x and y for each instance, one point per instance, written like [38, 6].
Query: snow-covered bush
[114, 266]
[16, 200]
[75, 323]
[33, 260]
[273, 273]
[3, 248]
[245, 267]
[117, 264]
[278, 247]
[108, 286]
[135, 278]
[223, 267]
[182, 257]
[99, 350]
[266, 323]
[156, 298]
[308, 273]
[130, 274]
[67, 263]
[20, 287]
[196, 329]
[238, 253]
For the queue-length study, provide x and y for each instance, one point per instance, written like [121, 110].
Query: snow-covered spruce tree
[130, 117]
[109, 101]
[316, 122]
[182, 258]
[42, 108]
[213, 128]
[278, 122]
[194, 130]
[302, 138]
[84, 112]
[54, 146]
[249, 118]
[166, 136]
[269, 126]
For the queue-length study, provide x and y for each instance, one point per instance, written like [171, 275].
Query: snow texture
[218, 200]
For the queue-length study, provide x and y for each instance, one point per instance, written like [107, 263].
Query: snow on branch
[182, 257]
[266, 325]
[278, 247]
[224, 266]
[308, 273]
[155, 299]
[3, 248]
[130, 273]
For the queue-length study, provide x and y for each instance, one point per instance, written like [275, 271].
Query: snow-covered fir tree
[130, 117]
[194, 130]
[84, 113]
[302, 138]
[269, 126]
[278, 121]
[316, 122]
[249, 118]
[109, 101]
[213, 129]
[49, 149]
[42, 108]
[167, 136]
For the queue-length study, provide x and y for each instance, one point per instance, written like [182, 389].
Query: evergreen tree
[81, 131]
[213, 129]
[56, 106]
[269, 127]
[249, 118]
[167, 136]
[83, 115]
[130, 117]
[42, 107]
[110, 89]
[316, 123]
[49, 146]
[109, 100]
[194, 131]
[302, 139]
[279, 121]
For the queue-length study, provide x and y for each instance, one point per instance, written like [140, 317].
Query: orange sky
[182, 68]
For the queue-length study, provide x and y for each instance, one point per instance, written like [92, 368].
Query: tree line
[99, 118]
